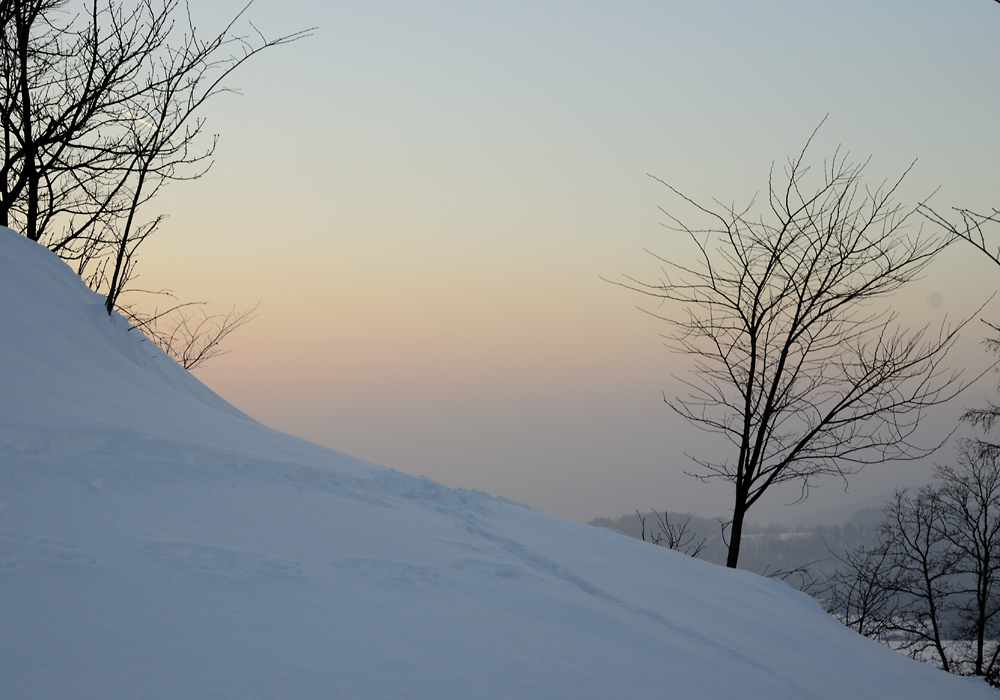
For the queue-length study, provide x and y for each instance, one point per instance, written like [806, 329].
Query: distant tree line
[799, 554]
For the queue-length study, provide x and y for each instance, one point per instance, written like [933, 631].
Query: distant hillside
[766, 549]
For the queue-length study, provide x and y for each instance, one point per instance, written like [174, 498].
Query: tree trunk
[736, 532]
[30, 151]
[981, 603]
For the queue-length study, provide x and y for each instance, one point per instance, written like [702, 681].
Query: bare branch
[677, 537]
[97, 113]
[190, 335]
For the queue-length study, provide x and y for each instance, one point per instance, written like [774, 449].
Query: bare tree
[903, 592]
[924, 568]
[862, 592]
[971, 497]
[672, 535]
[187, 332]
[973, 490]
[793, 364]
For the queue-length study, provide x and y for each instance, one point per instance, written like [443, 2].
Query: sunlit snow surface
[157, 543]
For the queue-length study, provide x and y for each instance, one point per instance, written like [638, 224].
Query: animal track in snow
[390, 570]
[21, 551]
[219, 560]
[413, 573]
[499, 570]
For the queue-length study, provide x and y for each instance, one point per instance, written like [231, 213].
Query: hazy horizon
[423, 201]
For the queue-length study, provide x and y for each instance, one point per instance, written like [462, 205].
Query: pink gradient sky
[423, 201]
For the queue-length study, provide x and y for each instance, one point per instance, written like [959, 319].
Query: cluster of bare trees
[931, 587]
[98, 111]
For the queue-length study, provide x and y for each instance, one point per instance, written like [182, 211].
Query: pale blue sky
[423, 197]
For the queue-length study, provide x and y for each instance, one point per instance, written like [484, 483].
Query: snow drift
[157, 543]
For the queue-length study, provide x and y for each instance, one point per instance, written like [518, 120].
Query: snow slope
[157, 543]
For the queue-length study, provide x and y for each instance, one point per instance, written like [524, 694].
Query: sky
[425, 200]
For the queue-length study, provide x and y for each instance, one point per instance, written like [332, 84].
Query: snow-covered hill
[157, 543]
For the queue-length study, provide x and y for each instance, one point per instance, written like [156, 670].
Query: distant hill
[767, 550]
